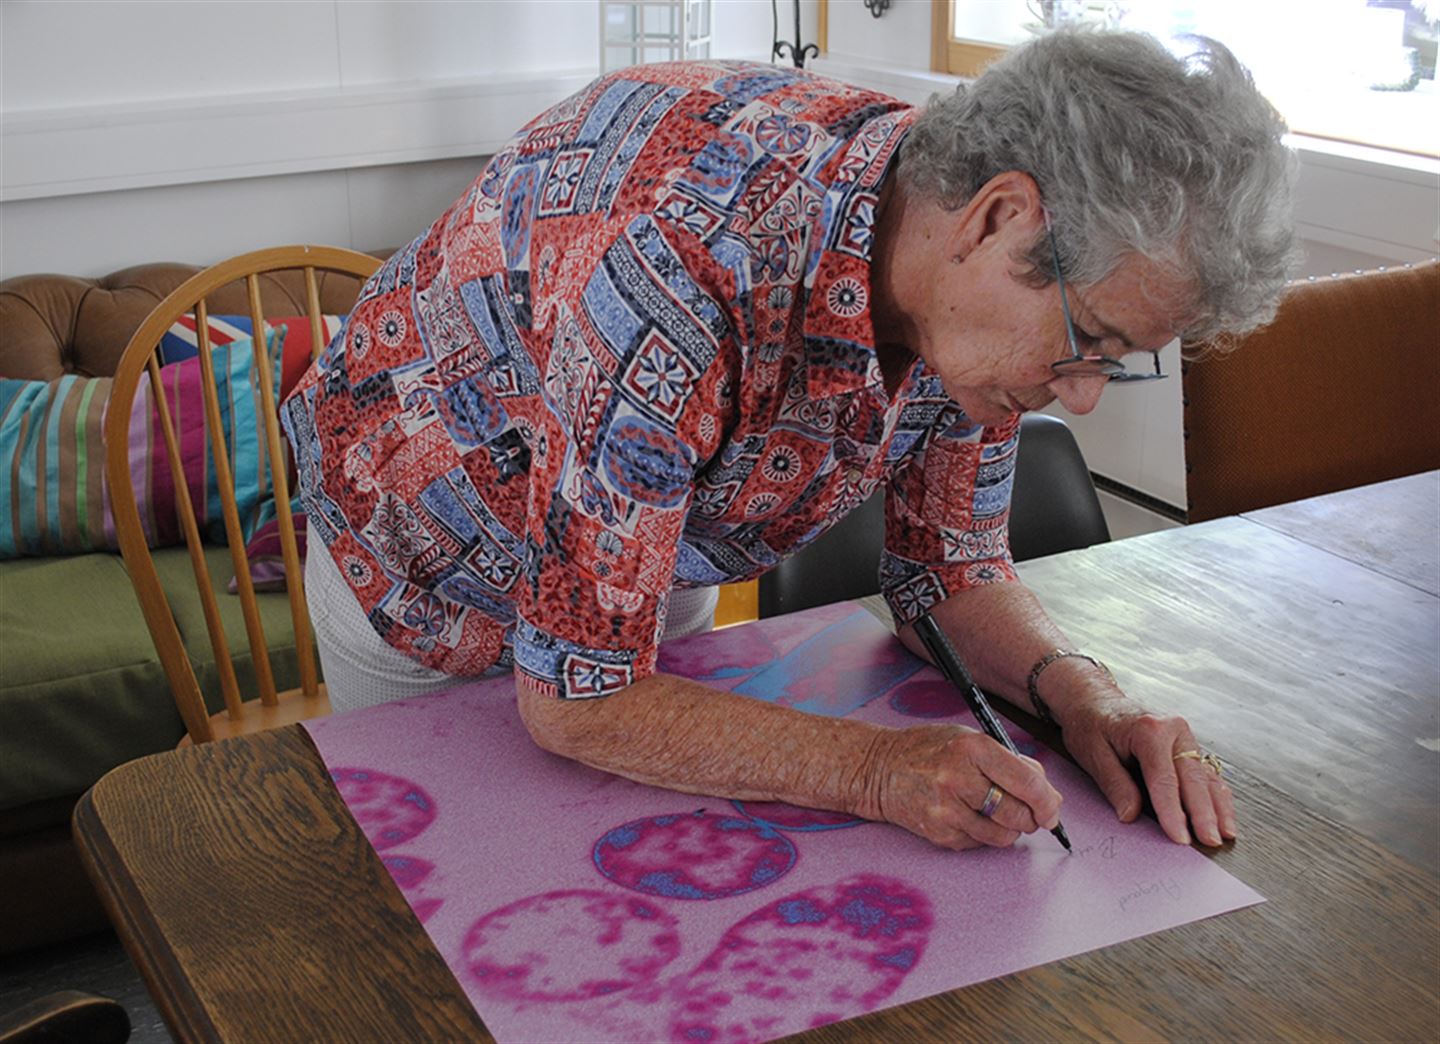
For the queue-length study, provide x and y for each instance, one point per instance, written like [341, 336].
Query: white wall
[138, 131]
[67, 54]
[899, 37]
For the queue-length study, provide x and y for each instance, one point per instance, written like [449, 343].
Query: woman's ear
[1006, 206]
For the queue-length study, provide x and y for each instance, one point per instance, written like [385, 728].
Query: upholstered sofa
[81, 689]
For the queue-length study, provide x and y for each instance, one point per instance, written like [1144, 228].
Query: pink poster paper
[575, 905]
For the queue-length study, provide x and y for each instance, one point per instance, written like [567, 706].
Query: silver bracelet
[1042, 709]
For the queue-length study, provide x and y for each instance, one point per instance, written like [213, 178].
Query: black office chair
[66, 1016]
[1053, 508]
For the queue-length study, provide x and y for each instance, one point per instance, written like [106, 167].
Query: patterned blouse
[636, 354]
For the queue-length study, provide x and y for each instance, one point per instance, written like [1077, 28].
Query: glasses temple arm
[1064, 297]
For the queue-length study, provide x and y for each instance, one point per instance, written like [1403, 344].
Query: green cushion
[81, 688]
[178, 579]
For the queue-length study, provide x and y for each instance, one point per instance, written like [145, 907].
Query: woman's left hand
[1102, 734]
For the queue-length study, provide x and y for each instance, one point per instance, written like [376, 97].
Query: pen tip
[1060, 836]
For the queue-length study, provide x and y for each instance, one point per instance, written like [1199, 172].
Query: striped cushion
[52, 466]
[53, 494]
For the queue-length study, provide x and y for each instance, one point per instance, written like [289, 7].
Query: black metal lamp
[798, 51]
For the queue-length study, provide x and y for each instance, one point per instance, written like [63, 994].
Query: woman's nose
[1079, 395]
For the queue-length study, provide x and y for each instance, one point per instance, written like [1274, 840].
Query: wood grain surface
[1391, 527]
[1309, 660]
[1316, 673]
[254, 906]
[272, 919]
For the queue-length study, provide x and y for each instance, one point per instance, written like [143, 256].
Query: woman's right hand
[933, 781]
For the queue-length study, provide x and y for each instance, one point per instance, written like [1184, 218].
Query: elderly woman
[690, 317]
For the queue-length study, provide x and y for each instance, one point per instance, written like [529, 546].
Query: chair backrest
[1339, 391]
[841, 563]
[1053, 508]
[66, 1015]
[242, 392]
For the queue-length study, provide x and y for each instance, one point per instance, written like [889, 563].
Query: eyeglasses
[1078, 364]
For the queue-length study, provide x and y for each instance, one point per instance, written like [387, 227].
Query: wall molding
[93, 149]
[57, 153]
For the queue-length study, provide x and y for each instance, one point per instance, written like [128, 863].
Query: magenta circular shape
[694, 856]
[390, 810]
[829, 949]
[569, 945]
[426, 908]
[926, 698]
[407, 871]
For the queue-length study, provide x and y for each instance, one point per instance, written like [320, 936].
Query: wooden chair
[1339, 391]
[241, 715]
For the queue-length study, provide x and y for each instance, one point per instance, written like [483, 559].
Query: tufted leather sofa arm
[53, 325]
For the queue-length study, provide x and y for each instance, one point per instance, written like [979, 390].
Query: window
[637, 31]
[1352, 70]
[965, 54]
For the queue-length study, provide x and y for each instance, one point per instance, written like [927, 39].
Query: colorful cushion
[53, 494]
[263, 550]
[267, 564]
[183, 342]
[52, 466]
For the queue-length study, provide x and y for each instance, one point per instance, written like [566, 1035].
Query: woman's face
[992, 338]
[957, 301]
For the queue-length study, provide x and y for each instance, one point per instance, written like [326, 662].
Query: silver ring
[993, 797]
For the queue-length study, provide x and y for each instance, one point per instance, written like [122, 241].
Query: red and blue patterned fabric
[637, 353]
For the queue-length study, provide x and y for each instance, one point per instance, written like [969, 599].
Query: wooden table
[1301, 642]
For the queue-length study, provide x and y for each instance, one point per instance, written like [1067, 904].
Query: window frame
[955, 56]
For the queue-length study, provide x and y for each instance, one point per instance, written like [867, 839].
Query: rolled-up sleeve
[946, 516]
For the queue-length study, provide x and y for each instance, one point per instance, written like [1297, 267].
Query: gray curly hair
[1134, 151]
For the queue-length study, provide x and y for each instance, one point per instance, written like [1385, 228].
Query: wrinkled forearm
[1001, 631]
[675, 733]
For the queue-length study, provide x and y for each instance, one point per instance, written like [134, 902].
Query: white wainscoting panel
[199, 224]
[1384, 204]
[389, 206]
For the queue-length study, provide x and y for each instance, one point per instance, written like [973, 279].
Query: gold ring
[993, 797]
[1205, 758]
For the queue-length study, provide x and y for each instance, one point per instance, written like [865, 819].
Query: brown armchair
[1341, 390]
